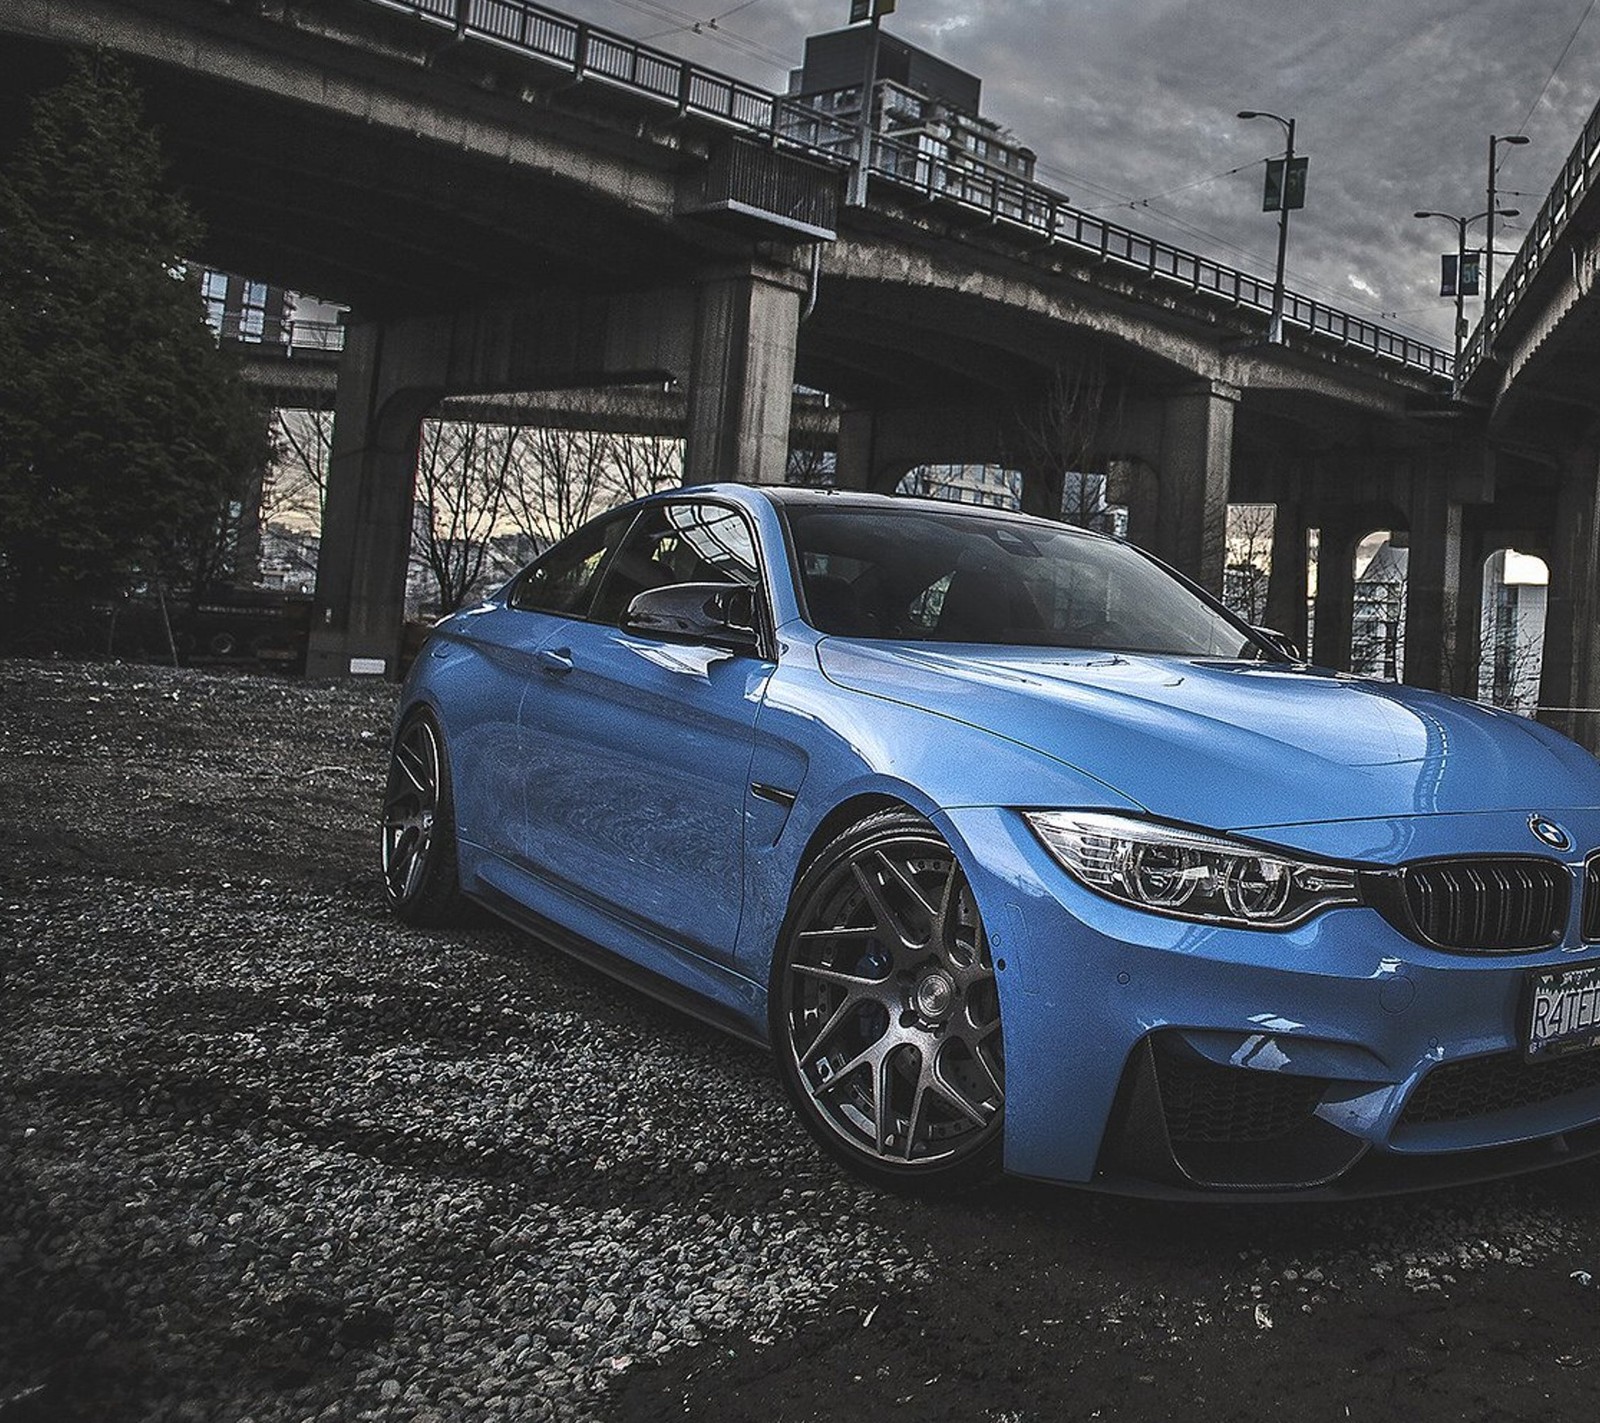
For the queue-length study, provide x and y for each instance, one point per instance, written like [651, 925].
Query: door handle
[557, 663]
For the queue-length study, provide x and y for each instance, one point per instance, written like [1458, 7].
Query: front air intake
[1502, 1082]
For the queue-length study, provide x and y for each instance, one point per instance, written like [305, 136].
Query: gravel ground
[266, 1154]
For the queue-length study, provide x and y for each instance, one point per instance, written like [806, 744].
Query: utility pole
[1288, 178]
[1488, 241]
[1460, 283]
[872, 11]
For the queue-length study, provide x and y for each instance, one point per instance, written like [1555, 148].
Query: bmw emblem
[1549, 833]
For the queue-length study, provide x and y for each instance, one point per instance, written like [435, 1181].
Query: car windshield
[926, 575]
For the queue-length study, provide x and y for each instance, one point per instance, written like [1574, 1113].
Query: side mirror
[1279, 643]
[719, 614]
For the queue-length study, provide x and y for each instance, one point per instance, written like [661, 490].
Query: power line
[745, 5]
[1181, 188]
[1077, 180]
[1560, 60]
[682, 22]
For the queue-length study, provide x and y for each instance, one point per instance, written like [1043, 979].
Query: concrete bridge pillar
[392, 372]
[366, 522]
[1569, 685]
[856, 461]
[1187, 524]
[877, 448]
[1469, 611]
[1285, 611]
[1336, 592]
[741, 375]
[1433, 581]
[1042, 492]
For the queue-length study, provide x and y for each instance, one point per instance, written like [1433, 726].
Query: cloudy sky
[1130, 106]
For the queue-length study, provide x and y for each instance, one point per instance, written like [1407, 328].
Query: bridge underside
[498, 229]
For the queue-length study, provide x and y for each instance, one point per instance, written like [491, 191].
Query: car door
[640, 748]
[492, 657]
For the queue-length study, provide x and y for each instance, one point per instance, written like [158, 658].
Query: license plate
[1563, 1011]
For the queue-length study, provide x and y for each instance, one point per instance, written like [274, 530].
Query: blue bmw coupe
[1020, 851]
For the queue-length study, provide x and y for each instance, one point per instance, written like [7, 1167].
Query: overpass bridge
[511, 200]
[1533, 369]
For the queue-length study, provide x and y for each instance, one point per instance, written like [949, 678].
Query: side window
[683, 542]
[565, 578]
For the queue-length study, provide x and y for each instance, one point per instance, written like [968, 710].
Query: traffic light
[869, 10]
[1275, 198]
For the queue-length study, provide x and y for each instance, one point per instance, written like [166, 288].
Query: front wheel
[419, 833]
[885, 1014]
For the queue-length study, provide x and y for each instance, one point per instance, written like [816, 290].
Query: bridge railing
[290, 339]
[1002, 197]
[1577, 176]
[591, 53]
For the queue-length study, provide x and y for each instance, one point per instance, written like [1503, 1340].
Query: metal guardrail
[290, 338]
[588, 52]
[1572, 185]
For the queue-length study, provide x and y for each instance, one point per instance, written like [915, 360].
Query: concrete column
[1569, 684]
[854, 462]
[1131, 483]
[1194, 469]
[1042, 492]
[1469, 613]
[741, 376]
[1286, 585]
[366, 522]
[1336, 594]
[1433, 580]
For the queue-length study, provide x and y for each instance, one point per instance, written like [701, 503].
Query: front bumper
[1339, 1057]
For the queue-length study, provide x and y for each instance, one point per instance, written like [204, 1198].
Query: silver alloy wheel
[410, 808]
[890, 1007]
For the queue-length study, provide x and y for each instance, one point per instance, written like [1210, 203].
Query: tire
[419, 832]
[885, 1014]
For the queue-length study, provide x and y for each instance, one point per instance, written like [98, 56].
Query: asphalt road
[265, 1154]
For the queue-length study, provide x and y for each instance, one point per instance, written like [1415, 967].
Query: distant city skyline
[1131, 109]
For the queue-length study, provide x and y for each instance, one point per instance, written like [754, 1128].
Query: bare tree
[556, 480]
[643, 464]
[559, 478]
[297, 486]
[1512, 659]
[810, 466]
[463, 471]
[1249, 567]
[1064, 436]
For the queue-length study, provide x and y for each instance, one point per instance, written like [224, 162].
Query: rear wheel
[885, 1014]
[419, 833]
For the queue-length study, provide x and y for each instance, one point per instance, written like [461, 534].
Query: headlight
[1188, 875]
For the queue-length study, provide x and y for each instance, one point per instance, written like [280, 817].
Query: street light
[1461, 257]
[1488, 239]
[1275, 328]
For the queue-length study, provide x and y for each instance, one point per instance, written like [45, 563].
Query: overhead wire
[1561, 59]
[1145, 202]
[708, 27]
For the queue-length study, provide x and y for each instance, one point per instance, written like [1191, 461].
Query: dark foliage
[126, 436]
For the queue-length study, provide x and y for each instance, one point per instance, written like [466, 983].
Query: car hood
[1234, 745]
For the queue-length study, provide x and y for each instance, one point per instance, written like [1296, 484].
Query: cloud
[1394, 104]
